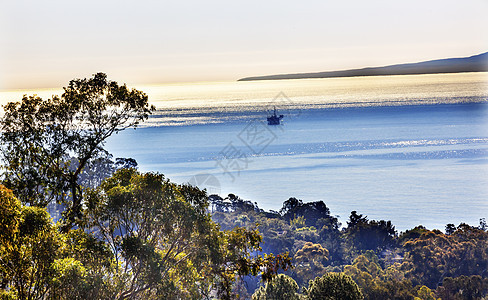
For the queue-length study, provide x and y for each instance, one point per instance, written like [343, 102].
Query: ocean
[411, 149]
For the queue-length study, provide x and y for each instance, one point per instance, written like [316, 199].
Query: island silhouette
[475, 63]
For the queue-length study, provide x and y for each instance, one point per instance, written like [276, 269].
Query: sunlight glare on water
[176, 101]
[379, 90]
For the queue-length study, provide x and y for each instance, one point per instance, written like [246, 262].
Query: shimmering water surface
[411, 149]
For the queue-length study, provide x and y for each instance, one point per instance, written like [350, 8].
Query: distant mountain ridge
[475, 63]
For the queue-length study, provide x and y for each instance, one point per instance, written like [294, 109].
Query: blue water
[411, 164]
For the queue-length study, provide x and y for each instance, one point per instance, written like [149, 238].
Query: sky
[45, 44]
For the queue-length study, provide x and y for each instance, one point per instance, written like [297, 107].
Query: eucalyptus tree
[47, 144]
[165, 243]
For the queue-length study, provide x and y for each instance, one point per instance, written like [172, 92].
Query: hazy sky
[47, 43]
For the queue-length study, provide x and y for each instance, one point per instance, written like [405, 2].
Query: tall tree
[40, 137]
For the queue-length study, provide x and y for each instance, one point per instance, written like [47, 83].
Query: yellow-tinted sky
[47, 43]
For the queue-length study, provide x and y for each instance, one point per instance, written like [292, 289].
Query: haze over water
[411, 149]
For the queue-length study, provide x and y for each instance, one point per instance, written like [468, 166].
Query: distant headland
[475, 63]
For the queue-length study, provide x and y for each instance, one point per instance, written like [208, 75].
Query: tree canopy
[333, 286]
[141, 237]
[40, 137]
[280, 287]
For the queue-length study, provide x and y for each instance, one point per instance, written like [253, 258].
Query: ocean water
[410, 149]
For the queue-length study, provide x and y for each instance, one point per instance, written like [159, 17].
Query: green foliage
[464, 287]
[434, 256]
[312, 252]
[310, 261]
[69, 281]
[144, 237]
[242, 220]
[369, 235]
[297, 222]
[39, 262]
[26, 264]
[162, 237]
[384, 265]
[10, 211]
[289, 205]
[450, 229]
[333, 286]
[483, 226]
[157, 235]
[93, 253]
[93, 258]
[40, 137]
[280, 287]
[376, 283]
[312, 212]
[424, 293]
[412, 234]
